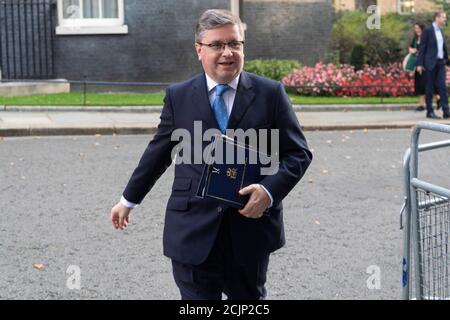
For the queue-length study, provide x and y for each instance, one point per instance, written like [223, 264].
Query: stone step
[11, 89]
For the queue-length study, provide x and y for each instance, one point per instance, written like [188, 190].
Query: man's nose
[227, 52]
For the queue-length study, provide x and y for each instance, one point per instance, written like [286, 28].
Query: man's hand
[258, 202]
[120, 216]
[420, 69]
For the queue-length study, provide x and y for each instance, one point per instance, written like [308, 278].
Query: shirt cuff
[127, 203]
[270, 196]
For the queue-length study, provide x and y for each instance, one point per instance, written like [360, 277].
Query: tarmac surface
[341, 219]
[56, 192]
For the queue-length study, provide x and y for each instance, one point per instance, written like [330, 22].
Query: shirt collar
[436, 27]
[211, 84]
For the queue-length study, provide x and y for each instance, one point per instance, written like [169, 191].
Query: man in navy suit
[432, 60]
[217, 249]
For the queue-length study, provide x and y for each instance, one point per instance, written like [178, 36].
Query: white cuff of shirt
[270, 196]
[127, 203]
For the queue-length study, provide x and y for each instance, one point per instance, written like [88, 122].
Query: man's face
[221, 65]
[441, 20]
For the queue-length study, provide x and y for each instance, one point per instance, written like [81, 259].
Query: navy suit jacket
[191, 223]
[428, 49]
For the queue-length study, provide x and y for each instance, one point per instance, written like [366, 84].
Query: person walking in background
[431, 62]
[419, 81]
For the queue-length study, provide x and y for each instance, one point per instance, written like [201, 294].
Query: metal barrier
[426, 213]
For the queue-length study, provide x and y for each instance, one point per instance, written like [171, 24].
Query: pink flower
[370, 81]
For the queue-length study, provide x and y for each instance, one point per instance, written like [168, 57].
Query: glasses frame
[224, 44]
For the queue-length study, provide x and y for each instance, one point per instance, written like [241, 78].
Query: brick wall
[288, 29]
[159, 45]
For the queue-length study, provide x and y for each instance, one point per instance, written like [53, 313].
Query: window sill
[65, 30]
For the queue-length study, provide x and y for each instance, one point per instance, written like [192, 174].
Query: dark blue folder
[222, 180]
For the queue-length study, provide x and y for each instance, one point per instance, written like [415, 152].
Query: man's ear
[198, 49]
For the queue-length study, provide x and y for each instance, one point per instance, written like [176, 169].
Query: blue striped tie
[220, 108]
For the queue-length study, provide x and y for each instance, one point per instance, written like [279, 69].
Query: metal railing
[425, 221]
[27, 39]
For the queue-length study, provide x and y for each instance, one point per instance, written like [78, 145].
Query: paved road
[56, 193]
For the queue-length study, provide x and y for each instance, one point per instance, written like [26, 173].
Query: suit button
[219, 209]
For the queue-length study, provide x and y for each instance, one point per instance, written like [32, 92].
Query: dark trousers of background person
[436, 77]
[221, 272]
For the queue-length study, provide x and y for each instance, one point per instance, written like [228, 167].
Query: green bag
[409, 63]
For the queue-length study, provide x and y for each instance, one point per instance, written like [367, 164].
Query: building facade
[150, 41]
[387, 6]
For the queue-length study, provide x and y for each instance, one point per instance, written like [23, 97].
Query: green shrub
[357, 57]
[332, 57]
[348, 30]
[271, 68]
[384, 45]
[381, 49]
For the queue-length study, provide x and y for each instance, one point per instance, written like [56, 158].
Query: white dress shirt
[228, 97]
[440, 41]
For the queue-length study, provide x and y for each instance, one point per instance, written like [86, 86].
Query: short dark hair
[437, 14]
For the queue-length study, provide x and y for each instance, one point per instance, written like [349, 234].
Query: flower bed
[329, 80]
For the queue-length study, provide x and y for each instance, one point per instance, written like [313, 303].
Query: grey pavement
[341, 219]
[57, 192]
[41, 121]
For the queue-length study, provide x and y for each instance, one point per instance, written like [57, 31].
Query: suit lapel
[244, 96]
[433, 33]
[201, 102]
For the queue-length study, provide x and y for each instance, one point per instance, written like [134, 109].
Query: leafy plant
[388, 44]
[381, 49]
[357, 57]
[274, 69]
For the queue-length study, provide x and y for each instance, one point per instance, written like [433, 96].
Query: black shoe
[420, 109]
[446, 115]
[438, 104]
[432, 115]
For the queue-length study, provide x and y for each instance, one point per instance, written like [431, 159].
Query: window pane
[91, 9]
[110, 9]
[406, 6]
[364, 4]
[71, 9]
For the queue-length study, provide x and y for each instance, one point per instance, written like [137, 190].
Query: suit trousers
[221, 272]
[436, 77]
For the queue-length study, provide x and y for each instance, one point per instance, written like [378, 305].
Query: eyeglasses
[220, 46]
